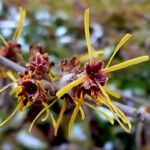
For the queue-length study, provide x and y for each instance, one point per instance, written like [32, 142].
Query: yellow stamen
[3, 40]
[18, 31]
[87, 33]
[111, 92]
[5, 87]
[69, 86]
[10, 116]
[64, 106]
[74, 114]
[127, 63]
[40, 113]
[11, 76]
[121, 43]
[101, 112]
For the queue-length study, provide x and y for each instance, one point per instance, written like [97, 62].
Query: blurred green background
[57, 25]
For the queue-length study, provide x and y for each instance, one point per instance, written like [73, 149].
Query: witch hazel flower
[92, 84]
[34, 86]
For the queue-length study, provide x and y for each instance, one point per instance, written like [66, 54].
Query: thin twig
[130, 111]
[11, 65]
[133, 112]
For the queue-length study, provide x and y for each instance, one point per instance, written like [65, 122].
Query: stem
[130, 111]
[11, 65]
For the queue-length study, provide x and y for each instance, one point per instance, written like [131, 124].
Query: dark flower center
[95, 73]
[30, 88]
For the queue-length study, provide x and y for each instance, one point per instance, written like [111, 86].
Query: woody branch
[130, 111]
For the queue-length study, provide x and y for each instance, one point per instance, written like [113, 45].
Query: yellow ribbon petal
[10, 116]
[118, 114]
[127, 63]
[5, 87]
[87, 33]
[64, 106]
[3, 40]
[111, 92]
[94, 54]
[69, 86]
[74, 114]
[11, 76]
[40, 113]
[18, 31]
[121, 43]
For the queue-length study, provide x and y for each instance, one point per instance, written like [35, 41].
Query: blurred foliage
[58, 27]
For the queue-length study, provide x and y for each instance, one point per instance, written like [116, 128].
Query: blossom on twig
[92, 84]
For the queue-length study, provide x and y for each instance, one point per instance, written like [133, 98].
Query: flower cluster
[75, 85]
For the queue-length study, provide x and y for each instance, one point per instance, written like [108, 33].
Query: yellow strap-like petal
[69, 86]
[111, 92]
[3, 40]
[74, 114]
[82, 113]
[101, 112]
[10, 116]
[16, 90]
[64, 106]
[5, 87]
[127, 63]
[87, 33]
[118, 114]
[121, 118]
[47, 115]
[18, 31]
[11, 76]
[121, 43]
[40, 113]
[94, 54]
